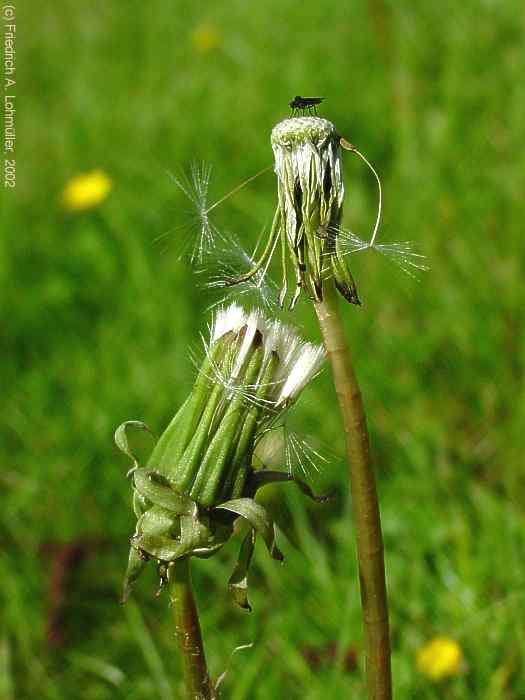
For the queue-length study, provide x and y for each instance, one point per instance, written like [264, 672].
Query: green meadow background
[99, 321]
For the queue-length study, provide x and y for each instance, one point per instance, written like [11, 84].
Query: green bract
[199, 478]
[310, 200]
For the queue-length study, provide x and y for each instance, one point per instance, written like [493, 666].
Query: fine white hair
[299, 361]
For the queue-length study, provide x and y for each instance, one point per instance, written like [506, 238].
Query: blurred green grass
[98, 320]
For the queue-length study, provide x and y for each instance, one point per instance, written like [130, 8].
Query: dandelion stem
[364, 498]
[188, 632]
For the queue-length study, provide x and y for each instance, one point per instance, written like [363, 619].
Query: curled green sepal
[157, 489]
[238, 583]
[220, 533]
[193, 534]
[343, 277]
[258, 518]
[262, 477]
[121, 440]
[136, 564]
[157, 521]
[140, 504]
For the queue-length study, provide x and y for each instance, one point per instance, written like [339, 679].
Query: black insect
[305, 103]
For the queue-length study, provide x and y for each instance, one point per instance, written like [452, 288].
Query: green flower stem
[188, 632]
[364, 498]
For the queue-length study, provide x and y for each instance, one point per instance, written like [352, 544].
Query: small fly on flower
[305, 103]
[307, 220]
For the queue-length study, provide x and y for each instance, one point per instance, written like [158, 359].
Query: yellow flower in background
[86, 191]
[206, 38]
[440, 658]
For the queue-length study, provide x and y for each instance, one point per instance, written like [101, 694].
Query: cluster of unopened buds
[201, 476]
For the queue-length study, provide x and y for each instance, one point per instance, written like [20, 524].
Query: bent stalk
[364, 498]
[188, 632]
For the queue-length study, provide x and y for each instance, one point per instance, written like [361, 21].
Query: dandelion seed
[300, 455]
[222, 373]
[199, 235]
[349, 242]
[402, 254]
[303, 366]
[299, 361]
[227, 319]
[86, 191]
[279, 445]
[270, 449]
[229, 259]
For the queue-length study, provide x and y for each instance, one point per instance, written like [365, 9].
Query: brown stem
[364, 499]
[188, 632]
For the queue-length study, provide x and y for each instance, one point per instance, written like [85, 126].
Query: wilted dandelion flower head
[200, 475]
[310, 198]
[310, 191]
[314, 246]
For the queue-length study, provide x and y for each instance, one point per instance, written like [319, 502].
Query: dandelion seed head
[298, 361]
